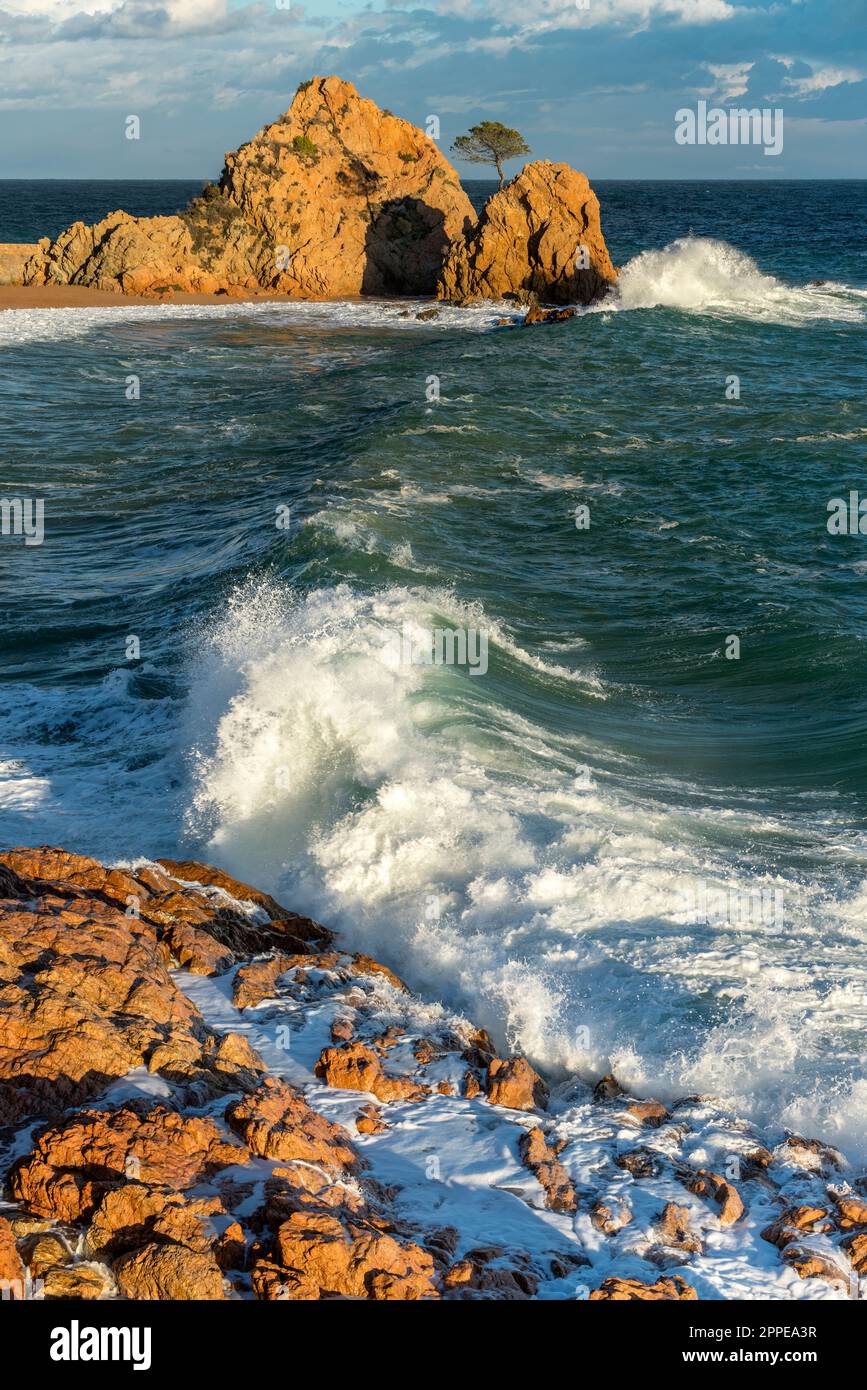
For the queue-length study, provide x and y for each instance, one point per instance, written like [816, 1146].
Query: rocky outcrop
[85, 989]
[233, 1183]
[13, 258]
[355, 1067]
[336, 198]
[513, 1082]
[541, 1158]
[540, 235]
[276, 1122]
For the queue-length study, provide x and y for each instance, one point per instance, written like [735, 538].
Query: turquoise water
[571, 845]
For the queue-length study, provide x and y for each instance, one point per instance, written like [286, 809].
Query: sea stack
[337, 198]
[539, 236]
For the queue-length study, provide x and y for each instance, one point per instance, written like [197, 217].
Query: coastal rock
[607, 1088]
[539, 235]
[814, 1264]
[616, 1290]
[46, 1252]
[856, 1249]
[647, 1112]
[85, 989]
[851, 1211]
[158, 1271]
[336, 198]
[542, 1160]
[793, 1222]
[80, 1281]
[258, 980]
[512, 1082]
[611, 1216]
[74, 1164]
[277, 1122]
[319, 1255]
[11, 1265]
[725, 1194]
[675, 1232]
[475, 1276]
[355, 1067]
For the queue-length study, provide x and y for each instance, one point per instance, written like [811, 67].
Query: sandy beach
[82, 297]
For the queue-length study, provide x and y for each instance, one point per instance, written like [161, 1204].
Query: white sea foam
[704, 275]
[506, 878]
[28, 325]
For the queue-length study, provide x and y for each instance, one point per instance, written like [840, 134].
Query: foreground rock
[85, 989]
[540, 235]
[632, 1290]
[336, 198]
[233, 1183]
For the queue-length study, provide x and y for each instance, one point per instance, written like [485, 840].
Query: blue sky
[596, 86]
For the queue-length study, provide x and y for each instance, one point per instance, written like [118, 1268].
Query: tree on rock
[491, 143]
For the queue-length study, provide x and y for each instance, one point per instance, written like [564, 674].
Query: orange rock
[45, 1252]
[608, 1088]
[856, 1249]
[336, 198]
[74, 1164]
[169, 1272]
[365, 965]
[230, 1249]
[137, 1213]
[358, 1068]
[811, 1154]
[726, 1196]
[11, 1265]
[512, 1082]
[276, 1122]
[811, 1264]
[851, 1211]
[541, 235]
[471, 1086]
[75, 1282]
[648, 1112]
[794, 1220]
[544, 1164]
[610, 1217]
[85, 995]
[369, 1121]
[631, 1290]
[258, 980]
[320, 1256]
[675, 1231]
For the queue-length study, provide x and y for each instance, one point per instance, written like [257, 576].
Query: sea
[525, 658]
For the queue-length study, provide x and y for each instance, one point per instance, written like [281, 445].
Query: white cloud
[820, 79]
[534, 16]
[730, 80]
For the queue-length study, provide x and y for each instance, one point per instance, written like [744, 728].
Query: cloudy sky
[593, 82]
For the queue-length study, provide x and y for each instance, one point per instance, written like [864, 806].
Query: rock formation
[540, 235]
[150, 1155]
[336, 198]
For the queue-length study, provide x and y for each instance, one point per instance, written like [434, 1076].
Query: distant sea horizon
[636, 215]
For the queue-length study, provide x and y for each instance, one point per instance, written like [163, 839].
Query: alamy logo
[847, 518]
[76, 1343]
[705, 905]
[730, 125]
[441, 646]
[22, 516]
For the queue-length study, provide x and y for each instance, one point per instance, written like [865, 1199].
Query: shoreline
[219, 1099]
[82, 297]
